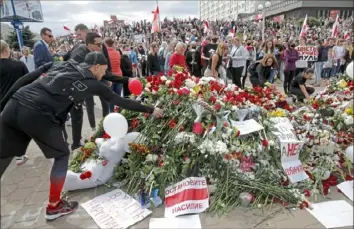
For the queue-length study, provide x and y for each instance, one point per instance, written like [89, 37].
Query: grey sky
[69, 13]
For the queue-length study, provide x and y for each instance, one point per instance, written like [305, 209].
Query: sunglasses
[50, 36]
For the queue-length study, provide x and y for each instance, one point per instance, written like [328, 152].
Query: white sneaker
[68, 123]
[21, 160]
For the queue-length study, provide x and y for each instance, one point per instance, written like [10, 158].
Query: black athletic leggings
[288, 77]
[18, 126]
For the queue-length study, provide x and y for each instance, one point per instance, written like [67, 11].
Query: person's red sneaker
[63, 208]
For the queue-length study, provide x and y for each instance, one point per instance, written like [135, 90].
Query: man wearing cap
[37, 109]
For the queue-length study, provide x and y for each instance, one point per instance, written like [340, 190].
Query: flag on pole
[346, 35]
[335, 29]
[66, 28]
[304, 28]
[155, 21]
[206, 26]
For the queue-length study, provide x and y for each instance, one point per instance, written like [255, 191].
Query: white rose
[148, 85]
[163, 78]
[271, 142]
[154, 92]
[349, 120]
[147, 89]
[168, 82]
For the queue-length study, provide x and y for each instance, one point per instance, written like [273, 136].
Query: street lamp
[263, 9]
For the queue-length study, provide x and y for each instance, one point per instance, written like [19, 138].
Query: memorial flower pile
[212, 130]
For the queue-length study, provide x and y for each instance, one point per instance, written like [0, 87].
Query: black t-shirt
[207, 49]
[10, 71]
[299, 80]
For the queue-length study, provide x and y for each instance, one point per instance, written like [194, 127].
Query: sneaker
[63, 208]
[68, 121]
[74, 147]
[21, 160]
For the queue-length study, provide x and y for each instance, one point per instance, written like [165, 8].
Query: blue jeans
[318, 70]
[116, 88]
[272, 74]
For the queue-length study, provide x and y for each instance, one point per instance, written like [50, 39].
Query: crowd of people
[101, 62]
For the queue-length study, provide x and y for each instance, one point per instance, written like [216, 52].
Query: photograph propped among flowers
[203, 134]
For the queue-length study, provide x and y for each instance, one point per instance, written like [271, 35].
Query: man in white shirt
[28, 59]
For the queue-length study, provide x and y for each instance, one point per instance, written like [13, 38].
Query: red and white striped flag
[155, 21]
[187, 197]
[335, 29]
[206, 26]
[66, 28]
[346, 35]
[304, 28]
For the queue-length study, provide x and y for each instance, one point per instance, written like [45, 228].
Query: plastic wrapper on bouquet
[108, 154]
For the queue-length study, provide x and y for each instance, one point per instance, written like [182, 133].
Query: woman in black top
[216, 61]
[298, 86]
[153, 63]
[263, 70]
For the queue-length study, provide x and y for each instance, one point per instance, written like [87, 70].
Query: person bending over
[298, 86]
[37, 109]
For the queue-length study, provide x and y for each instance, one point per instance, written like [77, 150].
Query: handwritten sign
[247, 127]
[187, 197]
[284, 130]
[115, 209]
[307, 53]
[290, 161]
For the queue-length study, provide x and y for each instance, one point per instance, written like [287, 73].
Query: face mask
[126, 53]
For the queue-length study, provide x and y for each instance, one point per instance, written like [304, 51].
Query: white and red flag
[66, 28]
[189, 196]
[206, 26]
[304, 28]
[346, 35]
[335, 29]
[155, 21]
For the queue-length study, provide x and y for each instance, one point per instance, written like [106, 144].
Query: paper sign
[290, 161]
[247, 127]
[347, 188]
[284, 130]
[325, 149]
[182, 222]
[115, 209]
[333, 214]
[187, 197]
[307, 53]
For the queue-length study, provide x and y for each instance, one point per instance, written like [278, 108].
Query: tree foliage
[28, 38]
[311, 21]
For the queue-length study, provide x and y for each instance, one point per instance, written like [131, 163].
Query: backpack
[252, 70]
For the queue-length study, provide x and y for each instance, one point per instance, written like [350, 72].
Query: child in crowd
[327, 67]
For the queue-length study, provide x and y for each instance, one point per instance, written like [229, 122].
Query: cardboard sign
[187, 197]
[290, 161]
[307, 53]
[115, 209]
[247, 127]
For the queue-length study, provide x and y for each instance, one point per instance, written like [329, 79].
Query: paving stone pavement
[24, 194]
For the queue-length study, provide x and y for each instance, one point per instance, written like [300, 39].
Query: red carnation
[217, 106]
[237, 133]
[305, 204]
[198, 128]
[301, 206]
[135, 123]
[265, 143]
[307, 193]
[172, 123]
[85, 175]
[105, 136]
[348, 178]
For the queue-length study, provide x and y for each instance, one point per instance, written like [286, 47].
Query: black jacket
[153, 64]
[65, 84]
[126, 66]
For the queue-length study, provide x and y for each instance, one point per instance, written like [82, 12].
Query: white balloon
[115, 125]
[132, 137]
[350, 70]
[349, 153]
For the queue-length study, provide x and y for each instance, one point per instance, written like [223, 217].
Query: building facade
[228, 9]
[248, 9]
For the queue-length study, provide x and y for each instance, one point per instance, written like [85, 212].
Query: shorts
[20, 124]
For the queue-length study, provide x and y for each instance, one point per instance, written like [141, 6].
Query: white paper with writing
[182, 222]
[284, 130]
[247, 127]
[290, 161]
[115, 209]
[347, 188]
[333, 214]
